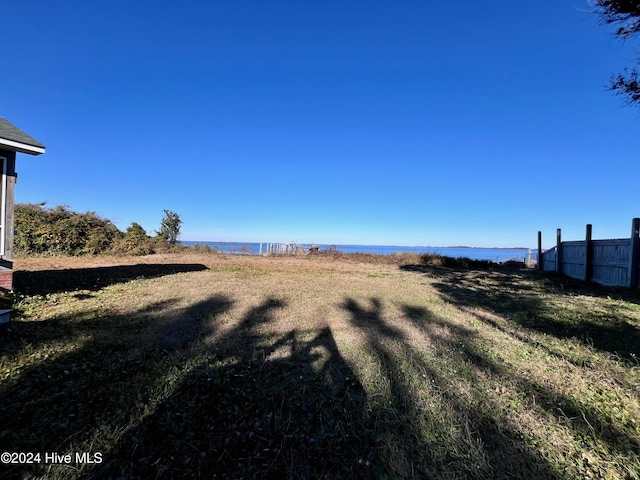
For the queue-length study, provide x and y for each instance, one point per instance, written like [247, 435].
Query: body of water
[491, 254]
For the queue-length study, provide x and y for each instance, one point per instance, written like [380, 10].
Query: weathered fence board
[613, 262]
[612, 276]
[573, 259]
[549, 260]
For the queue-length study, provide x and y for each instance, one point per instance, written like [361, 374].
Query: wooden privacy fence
[608, 262]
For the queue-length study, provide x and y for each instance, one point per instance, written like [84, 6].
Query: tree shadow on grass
[257, 404]
[111, 371]
[43, 282]
[544, 304]
[582, 419]
[429, 429]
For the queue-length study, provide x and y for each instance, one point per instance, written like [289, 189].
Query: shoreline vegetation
[495, 255]
[211, 365]
[56, 231]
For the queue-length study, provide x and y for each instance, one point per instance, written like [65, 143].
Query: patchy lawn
[221, 366]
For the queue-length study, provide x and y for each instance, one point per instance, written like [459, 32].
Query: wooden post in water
[588, 254]
[540, 265]
[559, 251]
[634, 253]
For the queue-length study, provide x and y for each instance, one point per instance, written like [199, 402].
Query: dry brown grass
[187, 366]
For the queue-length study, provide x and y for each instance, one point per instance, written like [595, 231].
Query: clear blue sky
[469, 122]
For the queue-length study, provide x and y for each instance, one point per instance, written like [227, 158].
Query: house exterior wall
[6, 260]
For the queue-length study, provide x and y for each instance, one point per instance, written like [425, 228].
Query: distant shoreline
[475, 253]
[489, 248]
[222, 242]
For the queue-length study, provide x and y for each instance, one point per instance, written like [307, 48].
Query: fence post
[540, 265]
[634, 253]
[588, 254]
[559, 251]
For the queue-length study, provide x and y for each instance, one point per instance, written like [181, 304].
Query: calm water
[492, 254]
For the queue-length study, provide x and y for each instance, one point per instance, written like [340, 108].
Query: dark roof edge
[10, 135]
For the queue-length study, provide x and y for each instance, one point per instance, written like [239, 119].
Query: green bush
[59, 231]
[135, 241]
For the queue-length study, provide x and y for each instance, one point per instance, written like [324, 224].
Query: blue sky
[470, 122]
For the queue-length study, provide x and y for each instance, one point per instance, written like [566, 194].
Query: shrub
[202, 248]
[437, 260]
[135, 241]
[432, 259]
[59, 231]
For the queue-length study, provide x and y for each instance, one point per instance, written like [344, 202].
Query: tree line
[60, 231]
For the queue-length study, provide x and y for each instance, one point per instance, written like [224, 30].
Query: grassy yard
[214, 366]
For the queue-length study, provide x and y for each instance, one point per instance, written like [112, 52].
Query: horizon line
[361, 244]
